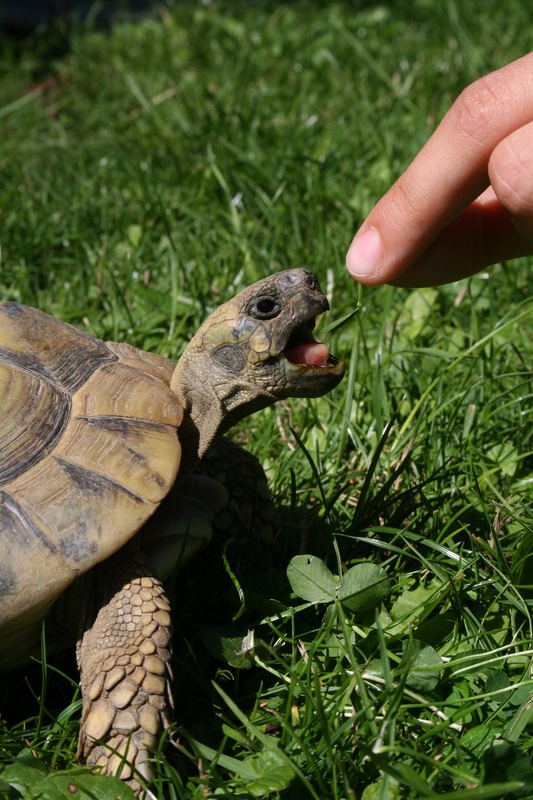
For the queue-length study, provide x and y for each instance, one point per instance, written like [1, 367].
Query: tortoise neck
[203, 411]
[196, 436]
[212, 400]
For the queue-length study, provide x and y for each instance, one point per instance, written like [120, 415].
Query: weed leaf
[271, 773]
[504, 761]
[363, 587]
[28, 776]
[311, 579]
[424, 665]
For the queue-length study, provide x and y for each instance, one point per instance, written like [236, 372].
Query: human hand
[466, 200]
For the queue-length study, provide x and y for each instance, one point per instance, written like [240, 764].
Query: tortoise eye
[264, 307]
[311, 280]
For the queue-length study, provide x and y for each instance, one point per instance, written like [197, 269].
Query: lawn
[147, 172]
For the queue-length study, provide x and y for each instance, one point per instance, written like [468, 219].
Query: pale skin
[466, 200]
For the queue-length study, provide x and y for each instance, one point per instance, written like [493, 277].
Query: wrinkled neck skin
[212, 403]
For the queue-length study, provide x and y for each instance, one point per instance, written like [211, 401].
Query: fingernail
[365, 254]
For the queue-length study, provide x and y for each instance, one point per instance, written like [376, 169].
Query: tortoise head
[252, 351]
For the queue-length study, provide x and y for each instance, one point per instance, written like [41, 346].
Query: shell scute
[149, 363]
[53, 350]
[140, 455]
[44, 408]
[121, 390]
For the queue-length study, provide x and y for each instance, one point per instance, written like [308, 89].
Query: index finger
[445, 177]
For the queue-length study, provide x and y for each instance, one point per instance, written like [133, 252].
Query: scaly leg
[123, 659]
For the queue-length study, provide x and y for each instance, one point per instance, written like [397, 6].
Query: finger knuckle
[479, 107]
[511, 177]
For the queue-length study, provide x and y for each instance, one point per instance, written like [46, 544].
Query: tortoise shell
[88, 449]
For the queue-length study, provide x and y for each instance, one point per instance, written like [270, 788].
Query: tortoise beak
[310, 368]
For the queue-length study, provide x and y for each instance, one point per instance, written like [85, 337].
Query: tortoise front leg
[247, 517]
[123, 658]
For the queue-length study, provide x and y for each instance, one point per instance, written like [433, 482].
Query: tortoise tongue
[311, 353]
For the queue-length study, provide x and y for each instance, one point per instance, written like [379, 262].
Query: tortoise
[93, 435]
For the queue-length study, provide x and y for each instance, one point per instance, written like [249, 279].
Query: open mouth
[303, 349]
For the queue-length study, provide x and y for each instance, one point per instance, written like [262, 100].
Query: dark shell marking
[45, 410]
[8, 580]
[91, 484]
[14, 522]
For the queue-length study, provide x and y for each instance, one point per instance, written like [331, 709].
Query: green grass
[145, 174]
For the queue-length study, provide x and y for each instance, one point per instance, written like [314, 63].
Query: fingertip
[365, 256]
